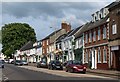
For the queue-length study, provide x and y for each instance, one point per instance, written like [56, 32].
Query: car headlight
[84, 67]
[75, 67]
[53, 64]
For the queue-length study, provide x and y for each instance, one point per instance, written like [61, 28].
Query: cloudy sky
[43, 15]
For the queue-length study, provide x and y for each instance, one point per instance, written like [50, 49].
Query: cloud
[42, 15]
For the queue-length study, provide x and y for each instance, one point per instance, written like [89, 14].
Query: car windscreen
[24, 61]
[18, 61]
[77, 62]
[57, 62]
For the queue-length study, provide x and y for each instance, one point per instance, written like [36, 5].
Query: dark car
[42, 64]
[55, 64]
[75, 66]
[18, 62]
[1, 63]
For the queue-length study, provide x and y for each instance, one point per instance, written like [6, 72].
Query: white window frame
[94, 35]
[104, 54]
[99, 33]
[86, 38]
[104, 32]
[114, 29]
[90, 37]
[47, 42]
[86, 57]
[99, 55]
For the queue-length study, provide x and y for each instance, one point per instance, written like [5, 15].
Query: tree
[14, 36]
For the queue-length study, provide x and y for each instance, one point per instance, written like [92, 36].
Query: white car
[11, 61]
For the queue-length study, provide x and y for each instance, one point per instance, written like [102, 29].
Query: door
[90, 59]
[117, 55]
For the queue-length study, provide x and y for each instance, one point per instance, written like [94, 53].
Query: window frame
[99, 33]
[99, 56]
[114, 28]
[104, 60]
[104, 32]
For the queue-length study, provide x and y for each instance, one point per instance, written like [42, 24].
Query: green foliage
[15, 35]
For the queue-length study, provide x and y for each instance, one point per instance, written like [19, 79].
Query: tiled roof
[92, 25]
[27, 46]
[73, 31]
[80, 31]
[47, 37]
[113, 4]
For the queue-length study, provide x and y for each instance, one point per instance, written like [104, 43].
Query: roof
[47, 37]
[80, 31]
[73, 31]
[92, 25]
[60, 38]
[27, 46]
[112, 4]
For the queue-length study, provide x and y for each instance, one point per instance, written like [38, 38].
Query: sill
[99, 62]
[86, 62]
[104, 61]
[104, 38]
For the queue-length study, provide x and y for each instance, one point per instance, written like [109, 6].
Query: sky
[43, 14]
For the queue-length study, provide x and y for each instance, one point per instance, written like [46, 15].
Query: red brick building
[114, 38]
[96, 51]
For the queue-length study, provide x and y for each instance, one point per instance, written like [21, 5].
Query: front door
[117, 55]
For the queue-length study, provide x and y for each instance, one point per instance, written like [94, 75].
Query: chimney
[66, 26]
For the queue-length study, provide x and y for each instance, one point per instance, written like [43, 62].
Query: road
[18, 73]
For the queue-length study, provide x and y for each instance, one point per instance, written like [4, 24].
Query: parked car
[1, 63]
[24, 62]
[55, 64]
[75, 66]
[18, 62]
[42, 64]
[11, 61]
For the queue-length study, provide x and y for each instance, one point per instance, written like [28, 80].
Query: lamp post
[54, 39]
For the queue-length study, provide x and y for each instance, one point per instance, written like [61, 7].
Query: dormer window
[100, 16]
[114, 29]
[95, 18]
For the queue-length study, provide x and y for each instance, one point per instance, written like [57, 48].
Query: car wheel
[48, 67]
[84, 72]
[71, 70]
[51, 67]
[66, 70]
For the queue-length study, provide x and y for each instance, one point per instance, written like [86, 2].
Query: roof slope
[27, 46]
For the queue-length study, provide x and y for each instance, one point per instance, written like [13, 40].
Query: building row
[96, 43]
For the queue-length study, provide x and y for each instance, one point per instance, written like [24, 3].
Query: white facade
[67, 46]
[100, 14]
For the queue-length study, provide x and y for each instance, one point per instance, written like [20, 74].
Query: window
[47, 50]
[47, 42]
[43, 43]
[94, 36]
[99, 56]
[86, 38]
[90, 37]
[104, 32]
[114, 29]
[104, 56]
[86, 57]
[99, 33]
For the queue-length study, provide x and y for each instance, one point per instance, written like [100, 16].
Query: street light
[55, 39]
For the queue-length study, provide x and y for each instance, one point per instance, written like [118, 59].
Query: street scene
[60, 41]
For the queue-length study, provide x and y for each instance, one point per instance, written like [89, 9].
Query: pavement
[110, 73]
